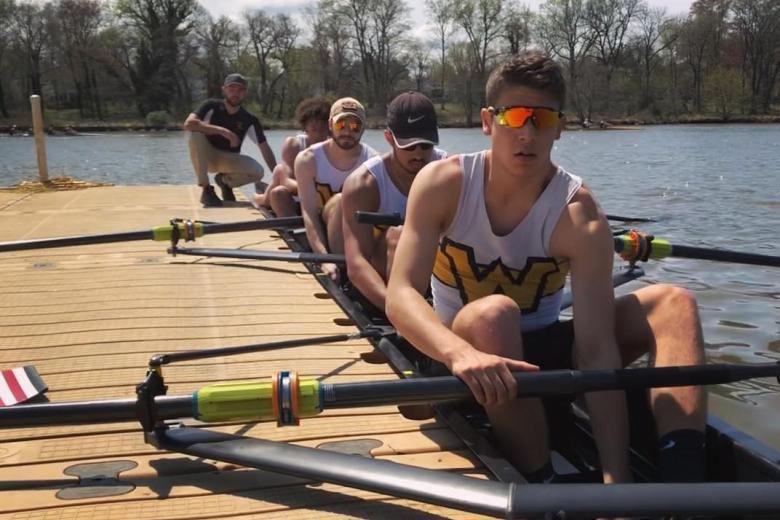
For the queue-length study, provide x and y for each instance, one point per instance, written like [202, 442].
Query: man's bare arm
[583, 236]
[290, 150]
[305, 166]
[360, 193]
[268, 155]
[194, 124]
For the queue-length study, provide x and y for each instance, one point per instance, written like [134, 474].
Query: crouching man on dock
[495, 234]
[218, 128]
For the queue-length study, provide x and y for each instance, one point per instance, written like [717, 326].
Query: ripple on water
[736, 324]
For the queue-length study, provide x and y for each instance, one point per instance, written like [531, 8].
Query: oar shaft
[539, 384]
[263, 400]
[158, 233]
[246, 254]
[91, 412]
[164, 359]
[724, 255]
[395, 219]
[81, 240]
[497, 499]
[660, 248]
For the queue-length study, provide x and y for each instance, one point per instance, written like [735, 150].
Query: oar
[250, 254]
[395, 219]
[487, 497]
[660, 248]
[286, 398]
[369, 332]
[187, 230]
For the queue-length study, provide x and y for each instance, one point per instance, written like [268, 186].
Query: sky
[234, 8]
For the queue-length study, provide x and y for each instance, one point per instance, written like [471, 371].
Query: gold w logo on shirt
[324, 192]
[457, 267]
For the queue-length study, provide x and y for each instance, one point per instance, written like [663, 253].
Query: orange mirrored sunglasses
[354, 124]
[516, 116]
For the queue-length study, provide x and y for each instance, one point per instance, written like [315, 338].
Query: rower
[495, 234]
[321, 170]
[382, 185]
[282, 193]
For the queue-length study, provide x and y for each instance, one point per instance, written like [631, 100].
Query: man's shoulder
[441, 172]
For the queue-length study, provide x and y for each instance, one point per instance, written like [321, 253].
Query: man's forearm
[609, 418]
[204, 128]
[315, 233]
[370, 284]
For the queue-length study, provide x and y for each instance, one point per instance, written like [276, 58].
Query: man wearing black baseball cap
[382, 185]
[218, 128]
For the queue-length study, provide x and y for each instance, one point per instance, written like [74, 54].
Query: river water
[711, 186]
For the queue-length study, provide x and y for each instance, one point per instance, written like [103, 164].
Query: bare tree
[31, 31]
[158, 28]
[442, 12]
[216, 38]
[758, 25]
[80, 21]
[518, 20]
[564, 30]
[481, 21]
[652, 25]
[7, 8]
[378, 27]
[610, 20]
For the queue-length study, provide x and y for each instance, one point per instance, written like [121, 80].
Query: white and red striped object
[20, 384]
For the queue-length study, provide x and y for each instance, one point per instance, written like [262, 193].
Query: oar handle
[379, 219]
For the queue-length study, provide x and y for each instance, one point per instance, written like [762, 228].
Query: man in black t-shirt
[218, 128]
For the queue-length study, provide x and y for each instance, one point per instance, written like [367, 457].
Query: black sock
[681, 456]
[543, 475]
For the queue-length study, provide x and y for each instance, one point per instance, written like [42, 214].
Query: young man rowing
[321, 170]
[312, 114]
[506, 227]
[382, 185]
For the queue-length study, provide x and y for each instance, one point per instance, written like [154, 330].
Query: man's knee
[280, 194]
[675, 303]
[280, 173]
[487, 314]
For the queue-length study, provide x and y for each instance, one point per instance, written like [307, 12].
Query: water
[712, 186]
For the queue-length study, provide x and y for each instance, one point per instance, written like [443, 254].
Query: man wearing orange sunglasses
[506, 228]
[382, 185]
[321, 170]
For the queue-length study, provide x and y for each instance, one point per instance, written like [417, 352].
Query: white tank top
[330, 179]
[391, 200]
[473, 262]
[303, 142]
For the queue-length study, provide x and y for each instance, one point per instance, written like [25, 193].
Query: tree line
[623, 58]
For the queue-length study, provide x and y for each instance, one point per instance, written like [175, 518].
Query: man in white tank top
[312, 115]
[321, 170]
[382, 185]
[499, 230]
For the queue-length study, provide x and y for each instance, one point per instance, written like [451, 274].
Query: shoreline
[572, 125]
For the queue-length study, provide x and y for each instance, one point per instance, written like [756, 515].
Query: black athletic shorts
[550, 348]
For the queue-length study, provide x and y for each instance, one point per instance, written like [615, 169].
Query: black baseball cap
[412, 119]
[234, 79]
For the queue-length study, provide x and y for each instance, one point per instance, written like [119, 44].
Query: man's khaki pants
[237, 169]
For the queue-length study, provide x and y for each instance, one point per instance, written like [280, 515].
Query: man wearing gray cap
[382, 184]
[218, 128]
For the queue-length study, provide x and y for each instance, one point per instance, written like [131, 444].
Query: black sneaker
[209, 198]
[227, 191]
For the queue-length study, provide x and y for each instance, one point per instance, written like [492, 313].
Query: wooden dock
[90, 317]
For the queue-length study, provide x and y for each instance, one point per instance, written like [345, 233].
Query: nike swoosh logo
[412, 121]
[671, 444]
